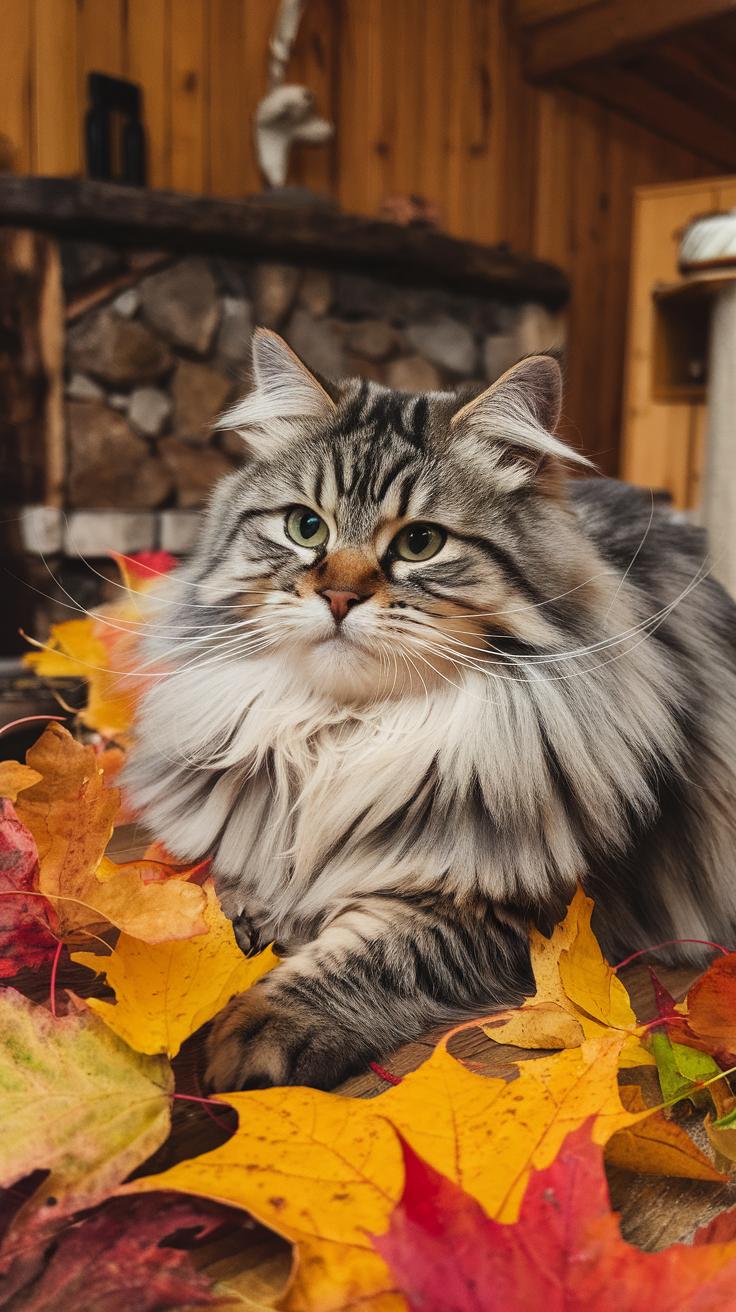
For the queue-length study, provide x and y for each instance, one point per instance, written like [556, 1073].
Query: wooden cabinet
[664, 416]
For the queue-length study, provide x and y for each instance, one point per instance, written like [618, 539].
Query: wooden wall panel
[228, 152]
[146, 60]
[433, 76]
[57, 127]
[188, 74]
[472, 135]
[588, 162]
[101, 38]
[315, 64]
[16, 85]
[428, 97]
[364, 81]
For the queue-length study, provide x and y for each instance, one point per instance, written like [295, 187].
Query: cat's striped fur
[395, 798]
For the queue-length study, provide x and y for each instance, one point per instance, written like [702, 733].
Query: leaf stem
[668, 943]
[384, 1074]
[52, 983]
[28, 719]
[192, 1097]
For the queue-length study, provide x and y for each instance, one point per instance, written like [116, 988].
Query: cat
[414, 683]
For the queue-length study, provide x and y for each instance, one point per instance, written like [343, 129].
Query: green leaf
[682, 1070]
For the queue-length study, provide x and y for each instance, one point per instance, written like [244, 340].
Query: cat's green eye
[306, 527]
[418, 542]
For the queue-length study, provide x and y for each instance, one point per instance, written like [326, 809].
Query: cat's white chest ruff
[311, 823]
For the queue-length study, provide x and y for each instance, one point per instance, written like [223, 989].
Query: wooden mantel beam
[607, 29]
[261, 226]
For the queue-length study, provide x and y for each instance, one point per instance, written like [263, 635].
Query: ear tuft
[515, 419]
[284, 392]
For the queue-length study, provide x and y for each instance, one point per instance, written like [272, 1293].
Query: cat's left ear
[513, 421]
[285, 394]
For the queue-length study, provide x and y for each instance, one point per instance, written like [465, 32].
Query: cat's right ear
[511, 425]
[284, 394]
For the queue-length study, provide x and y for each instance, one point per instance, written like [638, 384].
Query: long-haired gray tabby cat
[416, 685]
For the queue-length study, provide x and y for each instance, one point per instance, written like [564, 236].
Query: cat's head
[381, 542]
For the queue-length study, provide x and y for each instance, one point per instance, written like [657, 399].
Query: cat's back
[622, 520]
[661, 553]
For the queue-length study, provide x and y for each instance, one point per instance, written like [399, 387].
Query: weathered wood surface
[107, 211]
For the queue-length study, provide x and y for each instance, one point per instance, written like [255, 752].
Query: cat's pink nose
[340, 602]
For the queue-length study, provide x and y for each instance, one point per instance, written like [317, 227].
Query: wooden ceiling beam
[681, 71]
[664, 113]
[609, 29]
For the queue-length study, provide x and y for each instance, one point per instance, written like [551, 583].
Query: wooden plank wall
[427, 96]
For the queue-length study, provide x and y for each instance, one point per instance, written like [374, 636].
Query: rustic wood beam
[259, 227]
[31, 405]
[609, 29]
[661, 111]
[530, 12]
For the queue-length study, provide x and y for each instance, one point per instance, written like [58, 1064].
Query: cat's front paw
[258, 1041]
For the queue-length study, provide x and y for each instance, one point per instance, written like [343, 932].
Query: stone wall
[158, 345]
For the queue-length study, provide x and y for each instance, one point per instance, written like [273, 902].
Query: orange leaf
[70, 813]
[657, 1146]
[711, 1005]
[14, 777]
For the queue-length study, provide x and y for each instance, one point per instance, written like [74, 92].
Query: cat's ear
[284, 393]
[512, 423]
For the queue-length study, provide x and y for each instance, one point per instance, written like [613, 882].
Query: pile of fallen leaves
[452, 1190]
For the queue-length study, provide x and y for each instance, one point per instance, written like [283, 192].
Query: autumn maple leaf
[711, 1005]
[29, 929]
[114, 1258]
[101, 648]
[325, 1171]
[578, 994]
[565, 1252]
[70, 812]
[167, 991]
[76, 1102]
[144, 567]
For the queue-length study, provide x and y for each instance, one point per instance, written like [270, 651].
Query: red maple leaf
[28, 924]
[147, 564]
[127, 1254]
[710, 1023]
[564, 1254]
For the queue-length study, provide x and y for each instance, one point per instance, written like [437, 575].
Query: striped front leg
[381, 972]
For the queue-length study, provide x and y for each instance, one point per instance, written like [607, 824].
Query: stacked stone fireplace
[157, 298]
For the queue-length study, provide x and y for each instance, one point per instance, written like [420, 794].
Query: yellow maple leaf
[325, 1171]
[70, 813]
[101, 650]
[76, 650]
[166, 992]
[14, 777]
[578, 994]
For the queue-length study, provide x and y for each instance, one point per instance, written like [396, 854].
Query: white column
[719, 491]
